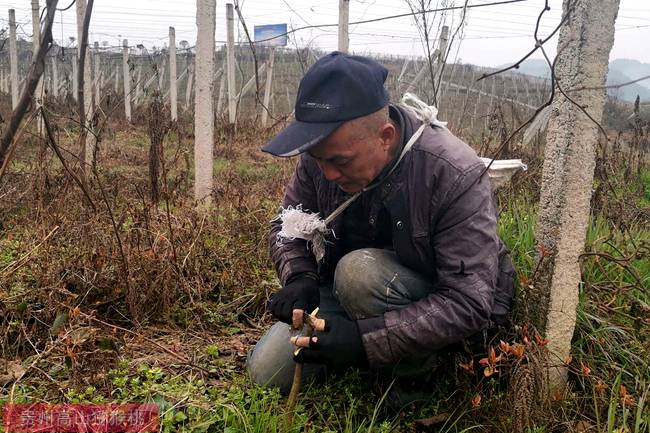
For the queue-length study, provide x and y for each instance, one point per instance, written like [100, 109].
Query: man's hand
[302, 293]
[339, 345]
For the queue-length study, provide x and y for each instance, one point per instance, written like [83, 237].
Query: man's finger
[303, 341]
[315, 323]
[296, 318]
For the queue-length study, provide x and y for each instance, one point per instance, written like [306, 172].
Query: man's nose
[330, 172]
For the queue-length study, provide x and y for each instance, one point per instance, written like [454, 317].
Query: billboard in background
[271, 35]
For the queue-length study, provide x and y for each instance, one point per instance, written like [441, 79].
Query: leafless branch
[580, 107]
[252, 46]
[445, 55]
[611, 86]
[538, 42]
[418, 9]
[52, 142]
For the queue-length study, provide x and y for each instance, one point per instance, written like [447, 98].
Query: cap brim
[299, 137]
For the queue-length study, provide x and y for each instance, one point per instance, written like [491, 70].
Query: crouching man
[413, 265]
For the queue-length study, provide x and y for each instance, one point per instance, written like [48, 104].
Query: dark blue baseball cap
[337, 88]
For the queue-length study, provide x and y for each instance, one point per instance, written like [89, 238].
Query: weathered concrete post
[75, 81]
[138, 86]
[478, 99]
[443, 44]
[190, 79]
[117, 79]
[97, 92]
[222, 84]
[526, 87]
[567, 177]
[442, 54]
[344, 19]
[13, 59]
[267, 87]
[230, 63]
[173, 95]
[55, 78]
[126, 77]
[203, 99]
[161, 74]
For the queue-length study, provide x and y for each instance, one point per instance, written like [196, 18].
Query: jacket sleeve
[465, 243]
[291, 257]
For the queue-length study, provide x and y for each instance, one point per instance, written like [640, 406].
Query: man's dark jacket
[443, 223]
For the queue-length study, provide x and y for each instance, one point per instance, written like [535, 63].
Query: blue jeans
[367, 283]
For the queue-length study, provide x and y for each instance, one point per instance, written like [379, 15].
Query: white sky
[493, 35]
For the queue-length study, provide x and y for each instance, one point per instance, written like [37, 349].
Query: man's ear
[387, 134]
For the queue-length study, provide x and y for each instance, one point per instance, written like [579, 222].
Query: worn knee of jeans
[357, 280]
[370, 281]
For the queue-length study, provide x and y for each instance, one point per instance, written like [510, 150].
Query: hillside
[620, 71]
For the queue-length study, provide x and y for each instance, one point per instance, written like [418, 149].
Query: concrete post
[230, 63]
[526, 87]
[13, 58]
[55, 78]
[126, 77]
[443, 44]
[190, 79]
[344, 19]
[586, 40]
[138, 86]
[97, 92]
[203, 100]
[179, 78]
[401, 74]
[493, 91]
[75, 82]
[173, 95]
[161, 74]
[102, 77]
[117, 79]
[222, 83]
[222, 86]
[478, 100]
[267, 87]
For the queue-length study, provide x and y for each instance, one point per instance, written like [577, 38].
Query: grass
[205, 299]
[611, 346]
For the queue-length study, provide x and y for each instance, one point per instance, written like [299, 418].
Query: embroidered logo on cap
[318, 105]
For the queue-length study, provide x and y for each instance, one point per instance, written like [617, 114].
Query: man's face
[353, 155]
